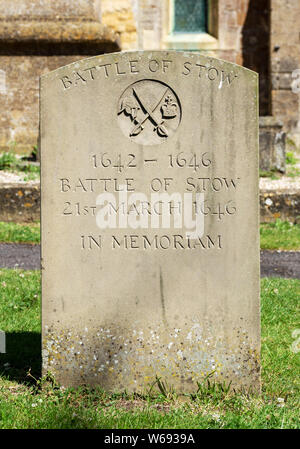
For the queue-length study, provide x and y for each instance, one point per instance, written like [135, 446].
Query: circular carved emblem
[149, 112]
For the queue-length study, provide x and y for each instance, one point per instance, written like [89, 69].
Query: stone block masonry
[37, 36]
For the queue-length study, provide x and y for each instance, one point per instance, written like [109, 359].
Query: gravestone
[150, 242]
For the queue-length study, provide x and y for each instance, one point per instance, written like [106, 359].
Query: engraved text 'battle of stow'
[149, 112]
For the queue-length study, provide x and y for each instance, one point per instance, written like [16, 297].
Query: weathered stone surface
[121, 16]
[56, 21]
[285, 58]
[37, 36]
[19, 203]
[56, 32]
[50, 9]
[271, 145]
[283, 205]
[124, 304]
[285, 108]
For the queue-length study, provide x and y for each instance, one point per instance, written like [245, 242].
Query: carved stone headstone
[150, 242]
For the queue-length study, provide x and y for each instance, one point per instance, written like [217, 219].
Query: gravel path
[285, 264]
[16, 178]
[16, 255]
[284, 183]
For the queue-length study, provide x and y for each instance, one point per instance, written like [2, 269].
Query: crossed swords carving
[149, 114]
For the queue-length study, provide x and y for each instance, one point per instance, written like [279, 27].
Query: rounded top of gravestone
[157, 62]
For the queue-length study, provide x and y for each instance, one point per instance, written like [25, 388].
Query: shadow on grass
[23, 353]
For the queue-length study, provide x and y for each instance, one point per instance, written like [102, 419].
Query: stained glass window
[190, 16]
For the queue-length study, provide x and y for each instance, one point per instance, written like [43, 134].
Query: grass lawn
[9, 161]
[20, 233]
[279, 235]
[26, 401]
